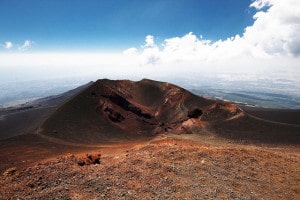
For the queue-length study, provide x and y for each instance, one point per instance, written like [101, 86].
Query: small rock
[81, 162]
[10, 171]
[89, 159]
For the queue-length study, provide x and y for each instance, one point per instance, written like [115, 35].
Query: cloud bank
[269, 47]
[274, 33]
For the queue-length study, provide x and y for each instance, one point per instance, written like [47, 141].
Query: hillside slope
[113, 110]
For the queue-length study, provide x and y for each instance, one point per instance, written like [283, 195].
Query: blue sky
[237, 39]
[235, 43]
[89, 25]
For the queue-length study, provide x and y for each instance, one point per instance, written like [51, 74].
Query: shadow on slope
[27, 118]
[249, 129]
[114, 111]
[117, 110]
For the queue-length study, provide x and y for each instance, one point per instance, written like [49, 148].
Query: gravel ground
[165, 169]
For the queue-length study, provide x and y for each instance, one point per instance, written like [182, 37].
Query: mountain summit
[111, 110]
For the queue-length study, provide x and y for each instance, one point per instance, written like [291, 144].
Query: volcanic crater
[148, 140]
[126, 109]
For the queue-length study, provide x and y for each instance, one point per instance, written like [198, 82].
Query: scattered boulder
[89, 159]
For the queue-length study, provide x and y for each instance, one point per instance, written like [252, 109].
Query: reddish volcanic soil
[151, 140]
[111, 110]
[161, 169]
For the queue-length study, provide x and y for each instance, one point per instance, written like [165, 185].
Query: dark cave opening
[195, 113]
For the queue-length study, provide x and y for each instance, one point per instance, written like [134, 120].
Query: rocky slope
[112, 110]
[163, 169]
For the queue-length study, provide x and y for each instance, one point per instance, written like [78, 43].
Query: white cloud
[275, 32]
[60, 59]
[8, 45]
[27, 44]
[64, 64]
[131, 52]
[150, 53]
[259, 4]
[271, 45]
[149, 41]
